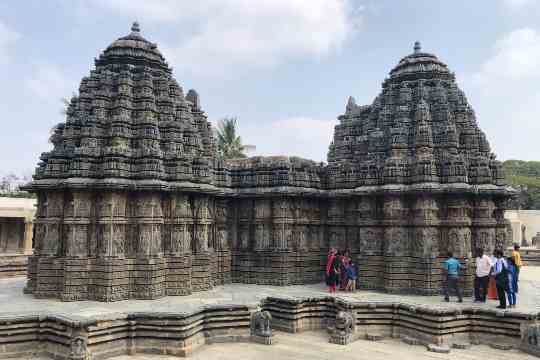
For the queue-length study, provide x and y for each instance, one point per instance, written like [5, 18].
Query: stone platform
[530, 256]
[312, 346]
[180, 325]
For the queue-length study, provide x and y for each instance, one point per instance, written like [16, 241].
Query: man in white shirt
[481, 279]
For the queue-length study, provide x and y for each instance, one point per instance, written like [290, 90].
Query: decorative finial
[417, 47]
[135, 27]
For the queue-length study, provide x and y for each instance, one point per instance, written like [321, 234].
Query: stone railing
[179, 334]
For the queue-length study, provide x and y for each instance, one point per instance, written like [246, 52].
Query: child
[351, 277]
[512, 282]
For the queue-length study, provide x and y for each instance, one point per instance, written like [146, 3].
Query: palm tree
[229, 144]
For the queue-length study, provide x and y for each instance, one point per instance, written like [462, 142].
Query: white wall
[529, 218]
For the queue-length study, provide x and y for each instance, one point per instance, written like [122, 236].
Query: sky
[284, 68]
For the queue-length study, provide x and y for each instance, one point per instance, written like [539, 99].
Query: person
[481, 279]
[451, 269]
[512, 282]
[517, 260]
[500, 270]
[492, 290]
[335, 272]
[330, 275]
[338, 260]
[343, 281]
[351, 277]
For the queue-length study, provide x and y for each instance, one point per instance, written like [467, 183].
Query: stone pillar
[28, 233]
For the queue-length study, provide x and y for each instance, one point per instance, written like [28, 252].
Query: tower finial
[135, 27]
[417, 47]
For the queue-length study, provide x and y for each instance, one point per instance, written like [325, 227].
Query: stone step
[410, 341]
[374, 337]
[504, 347]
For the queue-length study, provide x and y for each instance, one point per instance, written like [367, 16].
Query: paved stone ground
[315, 346]
[12, 299]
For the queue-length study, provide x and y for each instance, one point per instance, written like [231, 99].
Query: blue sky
[284, 67]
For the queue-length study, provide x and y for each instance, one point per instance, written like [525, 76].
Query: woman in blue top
[512, 281]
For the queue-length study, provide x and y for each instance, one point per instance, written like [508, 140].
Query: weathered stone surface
[441, 349]
[461, 345]
[501, 346]
[374, 337]
[411, 341]
[133, 201]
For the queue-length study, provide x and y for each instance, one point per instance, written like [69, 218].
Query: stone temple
[133, 201]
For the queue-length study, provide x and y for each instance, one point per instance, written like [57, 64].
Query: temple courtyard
[14, 301]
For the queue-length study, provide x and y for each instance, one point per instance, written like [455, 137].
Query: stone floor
[315, 346]
[12, 299]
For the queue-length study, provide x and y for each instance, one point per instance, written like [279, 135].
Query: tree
[229, 143]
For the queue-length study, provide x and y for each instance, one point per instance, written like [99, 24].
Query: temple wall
[117, 245]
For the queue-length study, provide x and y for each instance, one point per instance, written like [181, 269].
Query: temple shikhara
[133, 201]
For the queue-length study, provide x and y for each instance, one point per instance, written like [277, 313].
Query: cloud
[516, 57]
[294, 136]
[48, 82]
[506, 94]
[519, 3]
[7, 38]
[220, 34]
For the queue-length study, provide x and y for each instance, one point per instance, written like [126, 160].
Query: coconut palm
[229, 143]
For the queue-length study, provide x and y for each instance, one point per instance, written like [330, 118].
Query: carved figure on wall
[221, 239]
[145, 240]
[201, 238]
[183, 207]
[118, 245]
[78, 244]
[51, 240]
[523, 235]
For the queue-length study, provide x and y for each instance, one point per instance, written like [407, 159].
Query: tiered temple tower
[418, 158]
[133, 201]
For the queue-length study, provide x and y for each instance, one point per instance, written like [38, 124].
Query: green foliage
[229, 143]
[18, 194]
[525, 176]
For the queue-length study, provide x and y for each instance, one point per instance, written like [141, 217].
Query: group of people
[496, 277]
[341, 271]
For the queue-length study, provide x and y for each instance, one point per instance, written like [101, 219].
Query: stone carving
[152, 207]
[533, 335]
[523, 235]
[79, 350]
[261, 323]
[536, 240]
[343, 330]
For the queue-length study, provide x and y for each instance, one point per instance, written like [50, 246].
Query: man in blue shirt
[451, 270]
